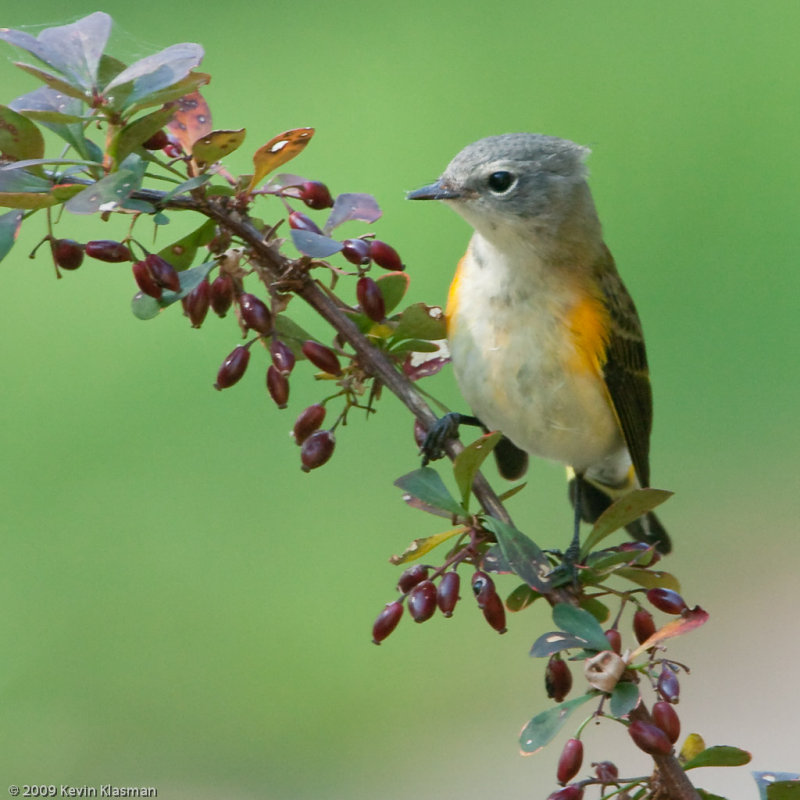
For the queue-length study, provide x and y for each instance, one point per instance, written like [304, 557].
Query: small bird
[545, 340]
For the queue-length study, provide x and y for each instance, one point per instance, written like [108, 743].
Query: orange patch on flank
[589, 322]
[452, 296]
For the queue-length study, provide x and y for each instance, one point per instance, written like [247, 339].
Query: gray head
[519, 182]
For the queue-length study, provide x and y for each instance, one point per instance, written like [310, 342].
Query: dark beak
[434, 191]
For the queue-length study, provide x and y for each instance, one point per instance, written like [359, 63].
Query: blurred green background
[183, 608]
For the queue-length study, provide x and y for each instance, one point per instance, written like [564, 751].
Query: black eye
[500, 182]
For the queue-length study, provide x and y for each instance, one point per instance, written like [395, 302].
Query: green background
[183, 608]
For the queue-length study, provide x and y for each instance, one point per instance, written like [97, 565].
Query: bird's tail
[594, 501]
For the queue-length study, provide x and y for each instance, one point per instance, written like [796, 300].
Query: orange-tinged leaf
[419, 547]
[687, 622]
[277, 151]
[191, 121]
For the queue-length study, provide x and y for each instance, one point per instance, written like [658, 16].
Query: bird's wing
[625, 368]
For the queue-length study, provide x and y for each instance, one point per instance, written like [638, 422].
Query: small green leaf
[622, 512]
[419, 547]
[393, 286]
[521, 597]
[597, 609]
[291, 333]
[420, 321]
[187, 186]
[555, 642]
[414, 346]
[426, 485]
[649, 578]
[469, 460]
[20, 139]
[110, 191]
[53, 81]
[522, 554]
[778, 785]
[512, 491]
[541, 730]
[720, 756]
[623, 699]
[784, 790]
[580, 623]
[9, 229]
[181, 253]
[188, 85]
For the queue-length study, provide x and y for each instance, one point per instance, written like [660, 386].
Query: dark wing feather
[625, 370]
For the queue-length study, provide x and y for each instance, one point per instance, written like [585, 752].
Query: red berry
[447, 593]
[557, 678]
[614, 640]
[668, 685]
[666, 717]
[300, 222]
[158, 141]
[144, 280]
[278, 386]
[233, 367]
[650, 738]
[370, 298]
[482, 588]
[411, 577]
[255, 314]
[643, 625]
[385, 255]
[309, 421]
[317, 449]
[495, 612]
[606, 771]
[315, 195]
[667, 601]
[108, 250]
[387, 621]
[282, 356]
[195, 304]
[569, 764]
[572, 792]
[356, 251]
[422, 601]
[67, 253]
[221, 294]
[163, 272]
[172, 149]
[322, 357]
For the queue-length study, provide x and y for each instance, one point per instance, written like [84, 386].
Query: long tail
[594, 501]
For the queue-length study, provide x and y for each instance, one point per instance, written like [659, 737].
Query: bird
[545, 341]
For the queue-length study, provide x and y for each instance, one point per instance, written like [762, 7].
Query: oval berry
[315, 195]
[255, 313]
[667, 601]
[668, 685]
[108, 250]
[482, 588]
[67, 253]
[221, 294]
[643, 625]
[356, 251]
[144, 280]
[278, 386]
[606, 771]
[385, 255]
[309, 421]
[447, 593]
[411, 577]
[322, 357]
[370, 298]
[163, 272]
[614, 640]
[387, 621]
[494, 612]
[282, 356]
[300, 222]
[316, 450]
[572, 792]
[666, 717]
[158, 141]
[570, 761]
[233, 367]
[422, 601]
[557, 678]
[195, 304]
[649, 738]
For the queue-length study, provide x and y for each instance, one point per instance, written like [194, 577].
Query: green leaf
[140, 130]
[146, 307]
[188, 85]
[720, 756]
[622, 512]
[522, 554]
[512, 491]
[53, 81]
[521, 597]
[623, 699]
[414, 346]
[555, 642]
[419, 547]
[216, 145]
[291, 333]
[778, 785]
[182, 252]
[784, 790]
[110, 191]
[19, 138]
[426, 485]
[9, 229]
[704, 795]
[541, 730]
[649, 578]
[393, 286]
[16, 179]
[580, 623]
[420, 321]
[469, 460]
[597, 609]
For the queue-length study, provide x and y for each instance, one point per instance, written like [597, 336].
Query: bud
[108, 250]
[572, 792]
[606, 771]
[411, 577]
[221, 294]
[666, 717]
[667, 601]
[668, 685]
[282, 356]
[158, 141]
[163, 272]
[356, 251]
[144, 280]
[370, 298]
[447, 593]
[387, 621]
[385, 255]
[614, 640]
[255, 314]
[195, 304]
[322, 357]
[317, 449]
[278, 386]
[422, 601]
[604, 670]
[309, 421]
[315, 195]
[233, 367]
[643, 625]
[649, 738]
[495, 612]
[67, 253]
[300, 222]
[569, 764]
[482, 588]
[557, 678]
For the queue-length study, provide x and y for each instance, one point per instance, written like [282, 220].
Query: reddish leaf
[191, 120]
[692, 619]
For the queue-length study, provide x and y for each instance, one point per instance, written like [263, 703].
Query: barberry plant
[138, 141]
